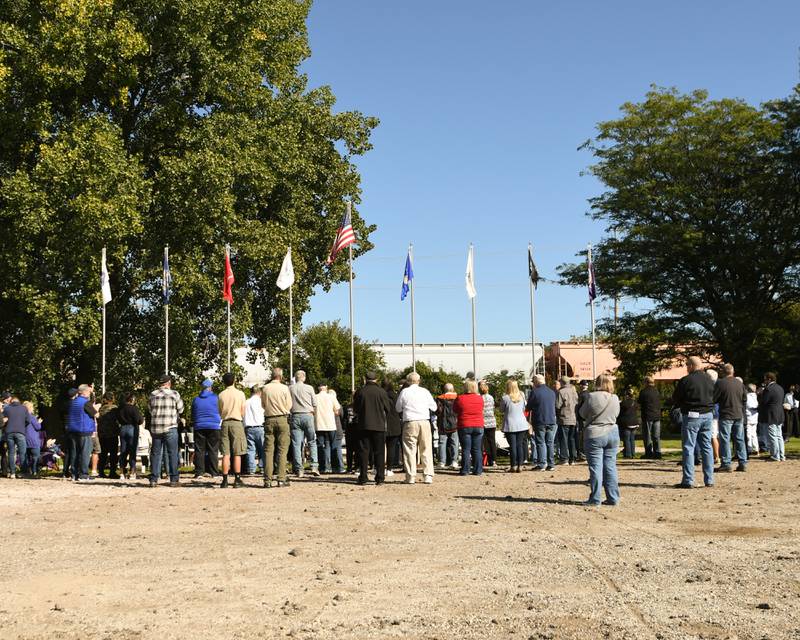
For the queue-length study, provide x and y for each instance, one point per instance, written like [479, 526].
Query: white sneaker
[441, 465]
[455, 466]
[389, 473]
[428, 479]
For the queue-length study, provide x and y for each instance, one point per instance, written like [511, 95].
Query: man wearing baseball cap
[206, 422]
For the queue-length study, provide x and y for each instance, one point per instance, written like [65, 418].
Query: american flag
[344, 237]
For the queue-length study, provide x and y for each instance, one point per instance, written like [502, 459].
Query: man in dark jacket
[731, 396]
[770, 411]
[694, 394]
[650, 403]
[542, 407]
[372, 406]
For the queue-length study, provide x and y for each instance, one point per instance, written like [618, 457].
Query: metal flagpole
[591, 306]
[474, 351]
[413, 318]
[103, 367]
[291, 334]
[228, 253]
[166, 317]
[352, 341]
[533, 313]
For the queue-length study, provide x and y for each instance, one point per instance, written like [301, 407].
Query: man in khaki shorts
[233, 437]
[277, 403]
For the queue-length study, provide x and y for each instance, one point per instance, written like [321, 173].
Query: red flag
[227, 283]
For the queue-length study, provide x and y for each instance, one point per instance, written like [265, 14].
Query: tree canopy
[702, 204]
[148, 123]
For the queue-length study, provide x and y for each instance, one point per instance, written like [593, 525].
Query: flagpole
[291, 335]
[166, 317]
[413, 317]
[352, 341]
[533, 311]
[474, 351]
[103, 364]
[228, 254]
[591, 306]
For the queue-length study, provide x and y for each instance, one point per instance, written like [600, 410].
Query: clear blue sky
[482, 108]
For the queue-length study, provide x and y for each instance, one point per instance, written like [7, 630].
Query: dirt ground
[497, 556]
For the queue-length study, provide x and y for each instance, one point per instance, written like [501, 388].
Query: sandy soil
[500, 556]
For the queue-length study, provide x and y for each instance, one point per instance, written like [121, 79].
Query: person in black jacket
[628, 422]
[130, 420]
[694, 394]
[650, 402]
[372, 406]
[108, 434]
[771, 411]
[731, 397]
[394, 429]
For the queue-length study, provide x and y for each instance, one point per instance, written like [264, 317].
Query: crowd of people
[383, 430]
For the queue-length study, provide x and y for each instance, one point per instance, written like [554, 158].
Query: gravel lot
[500, 556]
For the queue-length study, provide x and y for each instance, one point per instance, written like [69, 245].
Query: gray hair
[412, 378]
[712, 373]
[277, 373]
[300, 375]
[728, 369]
[448, 387]
[83, 388]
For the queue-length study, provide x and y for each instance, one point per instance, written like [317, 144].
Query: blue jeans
[601, 456]
[16, 444]
[168, 441]
[81, 454]
[651, 433]
[448, 448]
[774, 440]
[325, 440]
[516, 447]
[128, 442]
[727, 429]
[471, 447]
[697, 431]
[302, 426]
[336, 454]
[763, 436]
[31, 465]
[255, 448]
[628, 441]
[545, 437]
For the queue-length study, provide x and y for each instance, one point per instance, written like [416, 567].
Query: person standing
[489, 424]
[447, 425]
[599, 412]
[33, 441]
[694, 395]
[304, 404]
[373, 407]
[628, 422]
[207, 431]
[326, 407]
[788, 412]
[772, 404]
[583, 394]
[650, 403]
[469, 411]
[82, 428]
[16, 419]
[394, 428]
[254, 429]
[566, 405]
[277, 402]
[108, 434]
[337, 464]
[166, 407]
[415, 404]
[731, 397]
[515, 425]
[541, 406]
[234, 439]
[752, 420]
[131, 421]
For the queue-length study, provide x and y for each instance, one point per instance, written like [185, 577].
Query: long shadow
[576, 503]
[641, 485]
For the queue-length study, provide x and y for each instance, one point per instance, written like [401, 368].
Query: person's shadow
[532, 500]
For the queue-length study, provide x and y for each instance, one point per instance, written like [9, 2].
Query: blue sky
[482, 108]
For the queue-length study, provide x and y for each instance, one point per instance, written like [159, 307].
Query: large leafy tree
[703, 197]
[147, 123]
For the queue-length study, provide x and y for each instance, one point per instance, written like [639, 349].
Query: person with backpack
[447, 425]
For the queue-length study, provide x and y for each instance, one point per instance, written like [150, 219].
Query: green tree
[704, 197]
[323, 352]
[432, 379]
[148, 123]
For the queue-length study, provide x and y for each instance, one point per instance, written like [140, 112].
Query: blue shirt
[205, 410]
[542, 405]
[78, 421]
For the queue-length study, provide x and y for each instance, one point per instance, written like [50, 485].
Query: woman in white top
[325, 423]
[515, 425]
[752, 420]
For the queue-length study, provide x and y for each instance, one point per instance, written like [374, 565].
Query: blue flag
[166, 283]
[408, 276]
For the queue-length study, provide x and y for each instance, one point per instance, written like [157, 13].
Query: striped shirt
[166, 406]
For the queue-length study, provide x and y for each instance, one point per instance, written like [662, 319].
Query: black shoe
[174, 483]
[114, 476]
[680, 485]
[238, 482]
[361, 482]
[550, 468]
[224, 484]
[268, 484]
[742, 468]
[152, 484]
[726, 468]
[608, 503]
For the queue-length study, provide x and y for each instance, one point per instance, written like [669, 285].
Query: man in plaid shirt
[166, 406]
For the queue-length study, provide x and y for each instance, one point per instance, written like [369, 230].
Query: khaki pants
[417, 433]
[276, 435]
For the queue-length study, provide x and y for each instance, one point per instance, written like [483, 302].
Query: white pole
[103, 367]
[413, 318]
[228, 253]
[533, 313]
[166, 321]
[352, 340]
[591, 306]
[474, 351]
[291, 336]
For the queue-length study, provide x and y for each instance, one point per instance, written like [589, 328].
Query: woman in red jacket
[469, 410]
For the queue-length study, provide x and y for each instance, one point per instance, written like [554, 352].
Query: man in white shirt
[416, 404]
[325, 410]
[254, 430]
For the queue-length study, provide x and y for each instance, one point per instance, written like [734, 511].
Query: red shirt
[469, 409]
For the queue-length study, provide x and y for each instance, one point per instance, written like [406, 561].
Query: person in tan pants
[415, 404]
[277, 402]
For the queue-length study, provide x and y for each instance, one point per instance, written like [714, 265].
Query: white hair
[300, 375]
[448, 387]
[712, 373]
[412, 378]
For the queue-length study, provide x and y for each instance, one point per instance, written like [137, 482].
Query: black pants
[393, 456]
[206, 441]
[372, 442]
[489, 445]
[109, 453]
[351, 444]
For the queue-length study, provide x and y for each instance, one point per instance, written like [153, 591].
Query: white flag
[105, 286]
[286, 276]
[470, 277]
